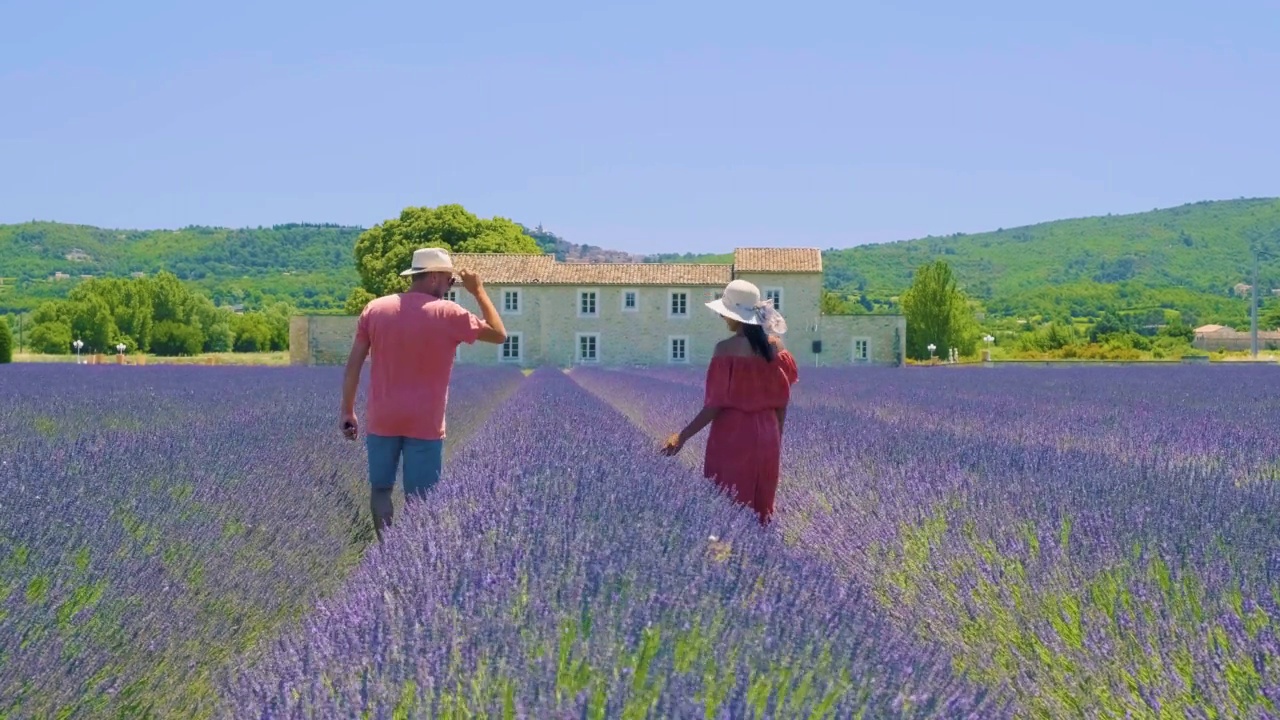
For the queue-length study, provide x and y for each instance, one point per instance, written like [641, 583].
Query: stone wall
[320, 339]
[876, 340]
[1235, 340]
[549, 327]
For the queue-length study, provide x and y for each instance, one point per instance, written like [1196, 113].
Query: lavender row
[561, 570]
[155, 523]
[1061, 572]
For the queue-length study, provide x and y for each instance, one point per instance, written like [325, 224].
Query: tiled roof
[507, 268]
[1230, 332]
[544, 270]
[643, 274]
[532, 269]
[777, 260]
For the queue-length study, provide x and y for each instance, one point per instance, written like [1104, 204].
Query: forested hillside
[1187, 258]
[310, 266]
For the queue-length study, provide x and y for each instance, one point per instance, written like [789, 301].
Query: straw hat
[427, 260]
[741, 301]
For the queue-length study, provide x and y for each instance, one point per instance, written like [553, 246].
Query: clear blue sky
[663, 127]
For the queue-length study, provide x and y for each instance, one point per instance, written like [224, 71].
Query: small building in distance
[629, 314]
[1221, 337]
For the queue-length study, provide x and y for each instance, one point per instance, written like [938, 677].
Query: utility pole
[1253, 310]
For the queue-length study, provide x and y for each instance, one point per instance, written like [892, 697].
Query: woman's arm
[699, 421]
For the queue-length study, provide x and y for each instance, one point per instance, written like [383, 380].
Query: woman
[748, 388]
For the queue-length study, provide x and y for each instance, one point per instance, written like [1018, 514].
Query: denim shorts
[423, 461]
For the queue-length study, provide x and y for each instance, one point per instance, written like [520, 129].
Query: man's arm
[494, 331]
[351, 377]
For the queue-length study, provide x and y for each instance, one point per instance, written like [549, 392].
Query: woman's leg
[766, 489]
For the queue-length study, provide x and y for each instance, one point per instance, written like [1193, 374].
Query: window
[511, 302]
[587, 303]
[512, 349]
[630, 301]
[588, 347]
[679, 306]
[678, 349]
[774, 295]
[451, 296]
[861, 350]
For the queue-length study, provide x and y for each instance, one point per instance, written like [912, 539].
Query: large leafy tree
[130, 306]
[937, 312]
[385, 249]
[160, 314]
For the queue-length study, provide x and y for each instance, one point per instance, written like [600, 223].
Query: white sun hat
[427, 260]
[741, 301]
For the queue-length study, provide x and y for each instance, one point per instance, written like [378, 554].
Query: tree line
[939, 312]
[159, 315]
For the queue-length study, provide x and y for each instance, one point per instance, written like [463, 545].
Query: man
[413, 337]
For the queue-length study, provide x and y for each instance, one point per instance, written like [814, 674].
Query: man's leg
[423, 462]
[384, 460]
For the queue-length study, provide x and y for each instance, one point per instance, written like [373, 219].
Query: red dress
[744, 447]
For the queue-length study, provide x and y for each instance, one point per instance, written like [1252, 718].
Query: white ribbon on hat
[770, 318]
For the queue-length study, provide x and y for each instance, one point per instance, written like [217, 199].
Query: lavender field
[193, 542]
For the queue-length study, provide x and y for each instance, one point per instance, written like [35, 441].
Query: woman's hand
[672, 445]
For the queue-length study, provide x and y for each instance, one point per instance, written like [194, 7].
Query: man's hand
[349, 425]
[672, 445]
[471, 281]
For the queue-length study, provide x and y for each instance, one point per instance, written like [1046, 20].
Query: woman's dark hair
[759, 341]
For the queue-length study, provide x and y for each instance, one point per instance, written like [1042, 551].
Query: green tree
[387, 248]
[277, 316]
[213, 323]
[836, 304]
[52, 337]
[92, 322]
[6, 341]
[170, 299]
[253, 332]
[1179, 331]
[937, 312]
[1109, 323]
[128, 301]
[356, 301]
[174, 338]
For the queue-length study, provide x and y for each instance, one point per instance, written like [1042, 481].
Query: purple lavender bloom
[1093, 541]
[157, 523]
[562, 570]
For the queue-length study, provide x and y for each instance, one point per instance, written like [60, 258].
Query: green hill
[312, 266]
[1186, 258]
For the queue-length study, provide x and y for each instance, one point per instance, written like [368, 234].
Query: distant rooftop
[540, 269]
[777, 260]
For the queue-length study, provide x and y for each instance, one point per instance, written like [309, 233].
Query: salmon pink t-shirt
[412, 341]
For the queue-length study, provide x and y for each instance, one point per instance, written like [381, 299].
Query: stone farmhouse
[1219, 337]
[629, 314]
